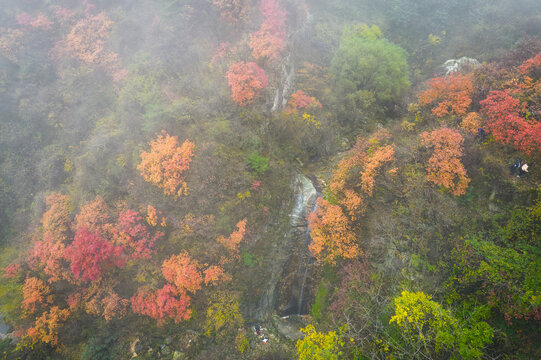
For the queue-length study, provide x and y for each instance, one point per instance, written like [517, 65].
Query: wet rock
[288, 328]
[289, 269]
[455, 65]
[305, 199]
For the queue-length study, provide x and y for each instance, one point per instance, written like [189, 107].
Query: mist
[270, 179]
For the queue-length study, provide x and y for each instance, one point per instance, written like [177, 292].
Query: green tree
[370, 73]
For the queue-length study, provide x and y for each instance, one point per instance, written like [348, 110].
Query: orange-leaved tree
[448, 95]
[48, 324]
[35, 292]
[247, 80]
[215, 274]
[173, 300]
[332, 233]
[355, 177]
[48, 250]
[444, 166]
[232, 242]
[182, 272]
[270, 39]
[471, 123]
[507, 125]
[94, 216]
[86, 42]
[166, 163]
[332, 224]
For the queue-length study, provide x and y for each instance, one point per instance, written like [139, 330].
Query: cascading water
[305, 202]
[309, 260]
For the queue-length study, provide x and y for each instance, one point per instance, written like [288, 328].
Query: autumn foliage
[355, 176]
[86, 43]
[444, 167]
[232, 241]
[48, 250]
[269, 40]
[134, 236]
[247, 80]
[99, 299]
[215, 275]
[332, 234]
[11, 271]
[531, 65]
[10, 43]
[35, 292]
[28, 21]
[56, 219]
[233, 10]
[90, 255]
[72, 261]
[332, 225]
[471, 123]
[48, 324]
[94, 216]
[172, 301]
[448, 95]
[182, 272]
[507, 125]
[166, 163]
[299, 100]
[165, 303]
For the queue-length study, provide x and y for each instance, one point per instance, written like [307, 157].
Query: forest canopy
[270, 179]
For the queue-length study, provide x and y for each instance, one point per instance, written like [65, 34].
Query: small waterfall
[308, 260]
[286, 288]
[305, 202]
[307, 269]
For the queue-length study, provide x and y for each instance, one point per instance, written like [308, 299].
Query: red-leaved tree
[299, 100]
[90, 255]
[247, 80]
[448, 95]
[134, 236]
[166, 303]
[505, 123]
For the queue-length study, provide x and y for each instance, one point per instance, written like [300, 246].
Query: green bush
[258, 163]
